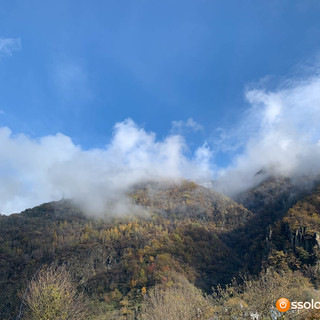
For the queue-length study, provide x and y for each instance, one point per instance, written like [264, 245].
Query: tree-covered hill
[115, 260]
[189, 230]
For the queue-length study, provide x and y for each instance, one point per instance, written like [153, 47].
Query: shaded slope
[295, 239]
[268, 202]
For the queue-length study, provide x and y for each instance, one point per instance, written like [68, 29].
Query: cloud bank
[280, 135]
[33, 171]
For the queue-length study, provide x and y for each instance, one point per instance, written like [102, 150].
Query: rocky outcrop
[301, 237]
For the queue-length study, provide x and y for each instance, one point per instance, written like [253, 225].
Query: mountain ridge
[191, 230]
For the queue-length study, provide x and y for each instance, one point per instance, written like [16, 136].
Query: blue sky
[83, 66]
[80, 67]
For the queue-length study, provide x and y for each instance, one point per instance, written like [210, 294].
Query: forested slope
[189, 230]
[115, 260]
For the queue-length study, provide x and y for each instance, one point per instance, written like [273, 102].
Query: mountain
[268, 202]
[189, 200]
[120, 256]
[189, 230]
[294, 240]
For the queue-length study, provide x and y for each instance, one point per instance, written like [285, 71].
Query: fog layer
[278, 134]
[33, 171]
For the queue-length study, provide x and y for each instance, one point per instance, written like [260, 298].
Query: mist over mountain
[277, 136]
[159, 160]
[280, 136]
[181, 228]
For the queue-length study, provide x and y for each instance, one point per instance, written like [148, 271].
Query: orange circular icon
[283, 304]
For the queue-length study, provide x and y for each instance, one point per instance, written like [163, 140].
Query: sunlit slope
[116, 259]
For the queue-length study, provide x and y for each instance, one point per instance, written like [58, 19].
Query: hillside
[294, 240]
[189, 230]
[114, 259]
[268, 202]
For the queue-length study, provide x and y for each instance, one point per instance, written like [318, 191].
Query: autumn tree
[52, 295]
[178, 300]
[258, 296]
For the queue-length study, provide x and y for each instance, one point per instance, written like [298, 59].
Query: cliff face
[301, 237]
[268, 202]
[283, 230]
[302, 223]
[294, 241]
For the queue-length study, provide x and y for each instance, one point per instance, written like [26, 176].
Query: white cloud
[33, 171]
[179, 126]
[283, 137]
[9, 45]
[280, 133]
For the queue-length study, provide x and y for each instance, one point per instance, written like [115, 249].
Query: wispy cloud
[9, 45]
[180, 126]
[71, 81]
[282, 134]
